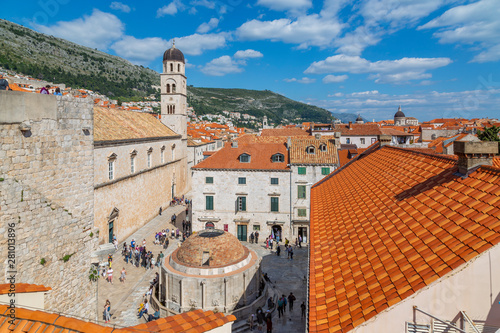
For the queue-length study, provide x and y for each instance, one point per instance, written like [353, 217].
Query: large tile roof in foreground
[38, 321]
[115, 124]
[390, 223]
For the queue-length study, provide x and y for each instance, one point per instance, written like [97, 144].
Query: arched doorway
[276, 232]
[209, 225]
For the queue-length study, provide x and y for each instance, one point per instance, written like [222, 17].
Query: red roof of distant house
[283, 132]
[389, 224]
[23, 288]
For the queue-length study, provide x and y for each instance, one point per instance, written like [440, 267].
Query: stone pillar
[181, 299]
[225, 294]
[245, 288]
[203, 295]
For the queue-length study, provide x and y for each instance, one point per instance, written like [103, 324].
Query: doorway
[111, 231]
[303, 234]
[242, 233]
[276, 233]
[173, 191]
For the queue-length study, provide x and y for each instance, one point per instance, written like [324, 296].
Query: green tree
[489, 134]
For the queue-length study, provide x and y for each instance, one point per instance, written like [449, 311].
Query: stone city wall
[46, 189]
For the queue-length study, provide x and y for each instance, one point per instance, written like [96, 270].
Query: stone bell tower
[174, 91]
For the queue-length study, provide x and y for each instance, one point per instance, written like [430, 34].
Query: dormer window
[245, 158]
[311, 150]
[278, 158]
[322, 147]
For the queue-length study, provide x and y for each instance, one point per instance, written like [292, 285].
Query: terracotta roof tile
[397, 220]
[114, 124]
[23, 288]
[260, 157]
[284, 132]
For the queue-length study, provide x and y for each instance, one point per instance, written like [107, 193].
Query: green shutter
[275, 204]
[325, 171]
[301, 191]
[209, 180]
[302, 170]
[244, 204]
[302, 212]
[209, 202]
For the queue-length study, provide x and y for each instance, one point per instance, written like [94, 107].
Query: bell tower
[174, 91]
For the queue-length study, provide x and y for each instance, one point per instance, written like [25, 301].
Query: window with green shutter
[209, 180]
[242, 204]
[301, 212]
[209, 199]
[325, 171]
[274, 181]
[242, 180]
[275, 205]
[301, 190]
[302, 170]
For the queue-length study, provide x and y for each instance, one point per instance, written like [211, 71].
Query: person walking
[260, 319]
[251, 238]
[251, 321]
[107, 310]
[300, 241]
[110, 275]
[269, 324]
[291, 252]
[303, 308]
[291, 299]
[278, 250]
[122, 275]
[285, 302]
[256, 237]
[280, 307]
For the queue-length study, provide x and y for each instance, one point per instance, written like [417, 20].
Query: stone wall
[432, 134]
[46, 189]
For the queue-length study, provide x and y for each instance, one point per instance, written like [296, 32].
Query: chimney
[384, 140]
[474, 154]
[288, 142]
[350, 125]
[234, 144]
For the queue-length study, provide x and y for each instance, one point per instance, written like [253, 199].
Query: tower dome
[219, 247]
[399, 114]
[173, 54]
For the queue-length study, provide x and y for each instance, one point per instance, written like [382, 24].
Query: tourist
[110, 260]
[280, 307]
[155, 316]
[107, 310]
[110, 275]
[251, 321]
[132, 244]
[144, 242]
[251, 238]
[300, 241]
[278, 250]
[122, 276]
[160, 210]
[267, 243]
[291, 299]
[115, 244]
[284, 302]
[286, 241]
[291, 252]
[45, 90]
[269, 324]
[144, 309]
[260, 319]
[4, 84]
[256, 237]
[58, 92]
[303, 308]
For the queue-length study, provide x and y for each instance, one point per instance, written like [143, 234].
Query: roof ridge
[435, 156]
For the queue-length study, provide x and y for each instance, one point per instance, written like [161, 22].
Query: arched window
[311, 150]
[322, 147]
[168, 88]
[171, 67]
[278, 158]
[179, 67]
[173, 88]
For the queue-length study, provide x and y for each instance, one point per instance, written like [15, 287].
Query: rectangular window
[111, 170]
[132, 164]
[362, 140]
[256, 227]
[242, 180]
[149, 160]
[275, 181]
[209, 180]
[209, 202]
[302, 170]
[275, 204]
[348, 140]
[242, 204]
[301, 191]
[325, 171]
[302, 212]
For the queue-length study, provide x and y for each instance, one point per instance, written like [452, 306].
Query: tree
[489, 134]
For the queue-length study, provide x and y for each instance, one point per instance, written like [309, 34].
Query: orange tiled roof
[260, 157]
[114, 124]
[496, 162]
[395, 220]
[299, 155]
[252, 138]
[38, 321]
[283, 132]
[357, 129]
[23, 288]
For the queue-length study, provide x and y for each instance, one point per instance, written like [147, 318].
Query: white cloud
[140, 51]
[221, 66]
[195, 44]
[285, 4]
[170, 9]
[304, 80]
[383, 71]
[339, 94]
[334, 78]
[206, 27]
[120, 6]
[248, 54]
[305, 30]
[98, 30]
[203, 3]
[364, 93]
[475, 23]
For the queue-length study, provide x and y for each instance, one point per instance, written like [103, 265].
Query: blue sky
[435, 58]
